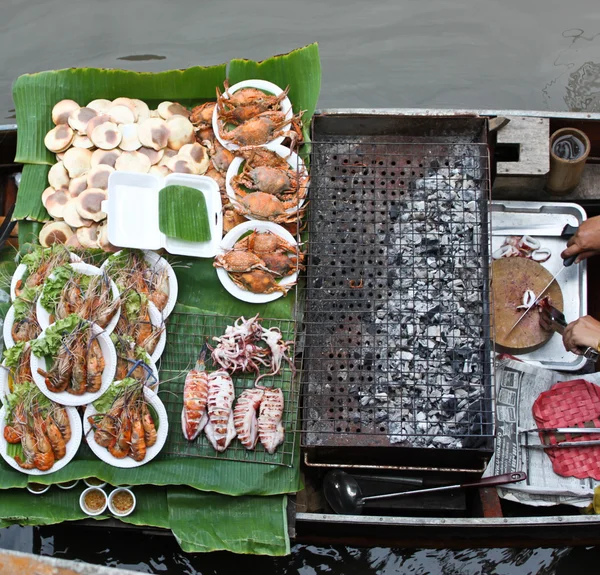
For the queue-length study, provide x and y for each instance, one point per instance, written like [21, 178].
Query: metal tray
[573, 281]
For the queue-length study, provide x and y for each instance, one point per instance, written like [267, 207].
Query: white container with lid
[132, 210]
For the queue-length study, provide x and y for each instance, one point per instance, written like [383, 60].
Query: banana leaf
[29, 206]
[200, 522]
[36, 94]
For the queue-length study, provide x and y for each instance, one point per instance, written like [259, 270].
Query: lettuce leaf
[53, 287]
[25, 302]
[13, 355]
[29, 393]
[104, 403]
[49, 345]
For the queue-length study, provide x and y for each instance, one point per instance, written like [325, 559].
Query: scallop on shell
[88, 204]
[62, 110]
[133, 162]
[58, 177]
[77, 161]
[97, 177]
[106, 136]
[59, 139]
[105, 157]
[129, 137]
[78, 120]
[181, 132]
[153, 133]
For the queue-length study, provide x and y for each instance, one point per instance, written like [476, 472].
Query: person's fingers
[571, 241]
[569, 251]
[567, 336]
[584, 255]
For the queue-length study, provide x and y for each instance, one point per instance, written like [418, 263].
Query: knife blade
[541, 230]
[566, 263]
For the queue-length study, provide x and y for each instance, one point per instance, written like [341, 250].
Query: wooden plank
[490, 502]
[532, 135]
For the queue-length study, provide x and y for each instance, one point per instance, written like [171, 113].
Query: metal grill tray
[186, 334]
[368, 383]
[573, 281]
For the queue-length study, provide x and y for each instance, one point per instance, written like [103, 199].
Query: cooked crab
[265, 243]
[267, 207]
[239, 261]
[259, 130]
[259, 281]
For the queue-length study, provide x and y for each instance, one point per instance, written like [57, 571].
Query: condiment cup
[38, 492]
[83, 505]
[70, 486]
[100, 485]
[113, 509]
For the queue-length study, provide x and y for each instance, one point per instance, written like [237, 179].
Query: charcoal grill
[397, 358]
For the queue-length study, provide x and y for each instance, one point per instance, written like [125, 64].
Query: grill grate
[186, 334]
[397, 348]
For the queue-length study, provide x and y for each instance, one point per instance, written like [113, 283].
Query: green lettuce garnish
[53, 287]
[104, 403]
[24, 302]
[13, 355]
[28, 392]
[49, 345]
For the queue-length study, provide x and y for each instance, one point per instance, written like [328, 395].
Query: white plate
[9, 320]
[66, 398]
[294, 161]
[43, 315]
[286, 106]
[72, 444]
[128, 462]
[157, 321]
[229, 241]
[20, 272]
[159, 263]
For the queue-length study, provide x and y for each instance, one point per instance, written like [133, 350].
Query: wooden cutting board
[510, 278]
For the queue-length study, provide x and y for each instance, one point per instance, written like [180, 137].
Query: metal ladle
[344, 495]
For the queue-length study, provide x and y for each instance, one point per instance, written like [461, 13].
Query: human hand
[582, 333]
[585, 242]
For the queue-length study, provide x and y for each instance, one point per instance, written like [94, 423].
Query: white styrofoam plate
[127, 462]
[229, 241]
[294, 160]
[132, 213]
[20, 272]
[159, 264]
[269, 87]
[72, 444]
[66, 398]
[9, 321]
[43, 315]
[158, 322]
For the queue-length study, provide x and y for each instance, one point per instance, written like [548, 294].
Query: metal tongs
[563, 431]
[555, 320]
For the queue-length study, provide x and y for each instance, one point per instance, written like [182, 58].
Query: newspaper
[517, 387]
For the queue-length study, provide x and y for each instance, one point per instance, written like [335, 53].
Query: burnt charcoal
[368, 360]
[318, 283]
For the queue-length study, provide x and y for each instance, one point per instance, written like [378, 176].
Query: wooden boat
[518, 163]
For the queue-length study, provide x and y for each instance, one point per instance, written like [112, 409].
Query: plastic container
[85, 508]
[65, 398]
[113, 509]
[132, 209]
[268, 87]
[565, 173]
[43, 315]
[43, 488]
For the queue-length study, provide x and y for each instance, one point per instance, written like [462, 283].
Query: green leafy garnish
[13, 354]
[182, 214]
[27, 392]
[133, 304]
[104, 403]
[53, 287]
[49, 345]
[24, 302]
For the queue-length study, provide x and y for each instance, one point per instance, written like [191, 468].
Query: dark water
[542, 54]
[159, 554]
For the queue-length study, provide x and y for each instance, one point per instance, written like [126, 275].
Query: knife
[566, 263]
[540, 230]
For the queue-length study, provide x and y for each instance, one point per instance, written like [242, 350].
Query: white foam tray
[132, 209]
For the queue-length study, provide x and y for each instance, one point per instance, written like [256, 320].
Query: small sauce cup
[37, 488]
[68, 484]
[94, 482]
[93, 501]
[121, 502]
